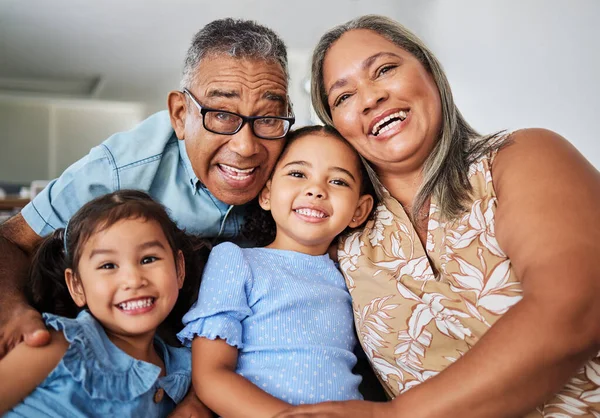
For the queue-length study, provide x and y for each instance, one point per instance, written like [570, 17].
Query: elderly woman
[476, 285]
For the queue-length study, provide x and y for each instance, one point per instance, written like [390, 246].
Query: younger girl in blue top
[273, 326]
[122, 258]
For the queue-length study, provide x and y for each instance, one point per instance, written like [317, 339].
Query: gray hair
[236, 38]
[446, 170]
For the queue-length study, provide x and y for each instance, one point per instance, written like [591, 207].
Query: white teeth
[311, 212]
[236, 172]
[401, 115]
[136, 304]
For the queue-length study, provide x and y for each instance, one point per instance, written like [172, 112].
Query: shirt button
[159, 395]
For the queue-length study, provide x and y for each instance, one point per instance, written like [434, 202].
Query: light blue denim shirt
[149, 158]
[97, 379]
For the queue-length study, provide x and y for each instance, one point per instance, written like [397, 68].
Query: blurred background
[72, 72]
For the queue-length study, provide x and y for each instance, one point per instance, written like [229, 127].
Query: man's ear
[180, 263]
[75, 288]
[264, 198]
[363, 209]
[177, 112]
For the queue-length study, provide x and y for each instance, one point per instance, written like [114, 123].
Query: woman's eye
[341, 99]
[385, 69]
[108, 266]
[148, 260]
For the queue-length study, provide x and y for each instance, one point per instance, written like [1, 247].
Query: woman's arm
[224, 391]
[25, 367]
[547, 223]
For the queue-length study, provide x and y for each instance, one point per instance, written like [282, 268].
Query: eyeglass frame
[245, 119]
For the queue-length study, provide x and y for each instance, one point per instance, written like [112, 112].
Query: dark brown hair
[259, 227]
[47, 289]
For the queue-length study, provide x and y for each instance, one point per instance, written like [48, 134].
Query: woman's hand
[348, 409]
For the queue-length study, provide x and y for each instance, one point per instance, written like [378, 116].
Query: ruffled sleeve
[222, 302]
[104, 371]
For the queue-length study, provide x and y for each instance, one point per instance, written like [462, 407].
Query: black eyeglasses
[229, 123]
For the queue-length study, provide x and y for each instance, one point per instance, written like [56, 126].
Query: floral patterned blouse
[414, 320]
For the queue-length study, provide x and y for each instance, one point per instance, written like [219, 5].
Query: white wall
[527, 63]
[40, 137]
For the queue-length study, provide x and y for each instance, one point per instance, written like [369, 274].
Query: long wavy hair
[259, 227]
[47, 289]
[446, 170]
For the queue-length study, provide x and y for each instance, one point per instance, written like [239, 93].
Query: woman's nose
[372, 95]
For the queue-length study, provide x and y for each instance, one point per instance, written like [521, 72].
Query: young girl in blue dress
[122, 259]
[273, 326]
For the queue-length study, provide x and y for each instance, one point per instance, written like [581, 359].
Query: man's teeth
[136, 304]
[311, 212]
[379, 126]
[236, 172]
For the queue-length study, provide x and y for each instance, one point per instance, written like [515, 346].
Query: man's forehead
[229, 77]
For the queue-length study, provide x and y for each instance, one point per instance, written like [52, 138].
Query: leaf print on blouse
[418, 268]
[348, 257]
[489, 288]
[383, 217]
[429, 308]
[480, 225]
[371, 324]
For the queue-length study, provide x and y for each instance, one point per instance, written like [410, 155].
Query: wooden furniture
[12, 202]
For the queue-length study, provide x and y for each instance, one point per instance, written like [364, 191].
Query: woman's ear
[264, 198]
[180, 263]
[75, 288]
[363, 209]
[177, 112]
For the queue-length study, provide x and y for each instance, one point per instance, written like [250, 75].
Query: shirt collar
[195, 182]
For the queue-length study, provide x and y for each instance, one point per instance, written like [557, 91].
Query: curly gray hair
[237, 38]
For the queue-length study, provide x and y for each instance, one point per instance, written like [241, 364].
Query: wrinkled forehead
[220, 75]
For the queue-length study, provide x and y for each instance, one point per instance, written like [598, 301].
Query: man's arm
[18, 320]
[222, 389]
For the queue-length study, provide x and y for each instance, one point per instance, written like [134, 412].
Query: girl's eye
[297, 174]
[107, 266]
[148, 260]
[339, 182]
[385, 69]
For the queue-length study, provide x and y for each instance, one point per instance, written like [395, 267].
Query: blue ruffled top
[289, 315]
[96, 378]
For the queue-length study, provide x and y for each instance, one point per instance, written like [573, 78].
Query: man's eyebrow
[276, 97]
[365, 65]
[228, 94]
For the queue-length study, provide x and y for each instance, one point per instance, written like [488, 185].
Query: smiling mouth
[133, 305]
[311, 213]
[237, 173]
[389, 122]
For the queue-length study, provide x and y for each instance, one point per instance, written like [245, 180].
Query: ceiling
[133, 49]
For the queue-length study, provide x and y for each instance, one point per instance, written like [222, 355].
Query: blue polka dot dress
[290, 316]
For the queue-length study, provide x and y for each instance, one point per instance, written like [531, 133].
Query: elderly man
[214, 149]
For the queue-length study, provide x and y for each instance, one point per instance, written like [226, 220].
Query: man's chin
[234, 196]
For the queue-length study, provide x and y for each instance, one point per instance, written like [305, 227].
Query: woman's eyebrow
[365, 65]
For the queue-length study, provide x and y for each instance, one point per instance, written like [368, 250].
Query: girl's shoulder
[96, 364]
